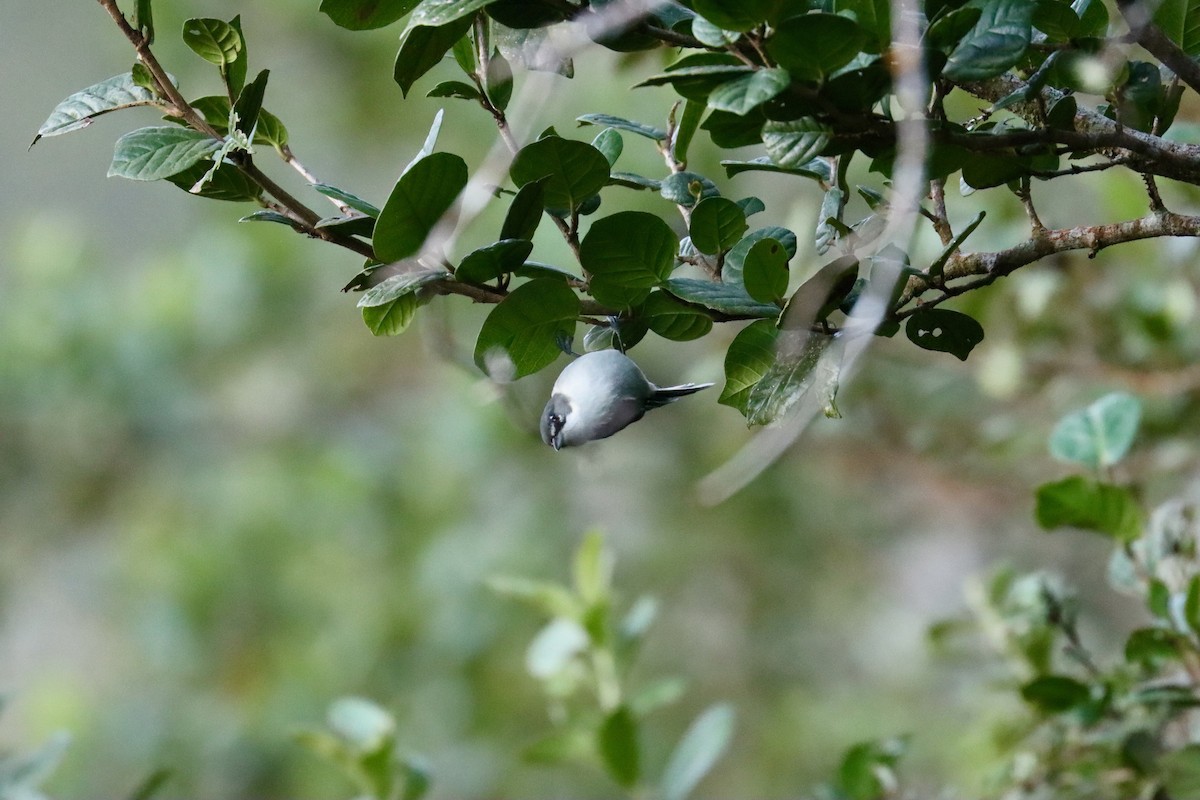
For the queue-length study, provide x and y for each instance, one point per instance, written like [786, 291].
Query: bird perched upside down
[600, 393]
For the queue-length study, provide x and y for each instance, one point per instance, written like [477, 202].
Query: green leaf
[1056, 19]
[524, 213]
[995, 43]
[499, 80]
[406, 282]
[1078, 502]
[214, 40]
[249, 103]
[822, 294]
[734, 15]
[155, 781]
[234, 74]
[78, 110]
[609, 142]
[459, 89]
[874, 17]
[792, 373]
[687, 188]
[521, 335]
[1180, 21]
[532, 48]
[608, 120]
[423, 48]
[717, 224]
[391, 318]
[673, 319]
[228, 183]
[417, 203]
[695, 82]
[592, 569]
[864, 767]
[1055, 693]
[944, 331]
[939, 265]
[741, 95]
[266, 215]
[490, 262]
[749, 357]
[811, 46]
[735, 259]
[215, 110]
[574, 170]
[689, 123]
[150, 154]
[712, 35]
[361, 15]
[794, 143]
[627, 254]
[726, 298]
[143, 19]
[952, 26]
[617, 741]
[765, 271]
[633, 181]
[361, 724]
[439, 12]
[697, 752]
[817, 169]
[1101, 434]
[551, 599]
[341, 195]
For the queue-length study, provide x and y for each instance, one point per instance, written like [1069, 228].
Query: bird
[600, 393]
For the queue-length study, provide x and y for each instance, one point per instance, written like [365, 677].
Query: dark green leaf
[1101, 434]
[499, 80]
[417, 202]
[817, 169]
[348, 225]
[266, 215]
[944, 331]
[717, 224]
[150, 154]
[734, 15]
[749, 357]
[731, 271]
[526, 13]
[608, 120]
[575, 170]
[729, 130]
[439, 12]
[1078, 502]
[617, 741]
[811, 46]
[765, 271]
[149, 787]
[693, 112]
[423, 48]
[1180, 21]
[995, 43]
[1056, 19]
[1055, 693]
[249, 103]
[355, 202]
[490, 262]
[949, 28]
[214, 40]
[360, 15]
[726, 298]
[143, 20]
[81, 108]
[609, 142]
[713, 35]
[228, 183]
[695, 82]
[874, 17]
[674, 320]
[796, 142]
[627, 254]
[701, 746]
[822, 294]
[743, 94]
[1191, 608]
[458, 89]
[234, 74]
[687, 188]
[631, 181]
[1181, 772]
[792, 373]
[521, 335]
[864, 766]
[524, 213]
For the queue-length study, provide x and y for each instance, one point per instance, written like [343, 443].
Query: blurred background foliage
[223, 503]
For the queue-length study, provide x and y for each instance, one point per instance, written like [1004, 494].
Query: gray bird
[600, 393]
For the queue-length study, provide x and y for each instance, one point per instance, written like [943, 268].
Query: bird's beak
[556, 437]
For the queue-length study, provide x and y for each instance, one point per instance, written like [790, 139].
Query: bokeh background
[223, 503]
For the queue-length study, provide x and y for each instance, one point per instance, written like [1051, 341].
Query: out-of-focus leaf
[617, 741]
[1055, 693]
[1078, 502]
[1099, 435]
[697, 752]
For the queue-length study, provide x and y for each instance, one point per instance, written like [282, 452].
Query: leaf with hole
[735, 259]
[944, 331]
[765, 271]
[417, 202]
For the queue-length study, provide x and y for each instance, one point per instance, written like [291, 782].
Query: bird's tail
[669, 394]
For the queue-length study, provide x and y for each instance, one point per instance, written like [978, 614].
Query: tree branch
[987, 268]
[1156, 43]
